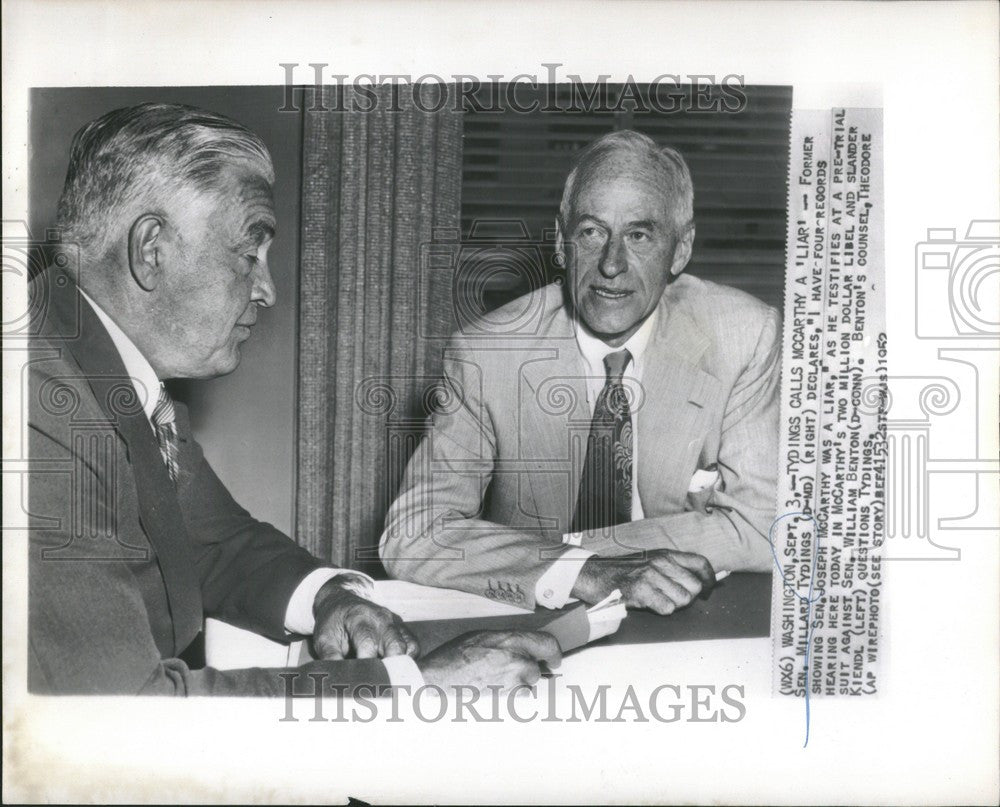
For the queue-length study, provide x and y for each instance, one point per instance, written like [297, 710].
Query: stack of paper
[415, 603]
[434, 614]
[606, 617]
[582, 625]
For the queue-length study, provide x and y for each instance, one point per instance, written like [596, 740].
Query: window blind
[514, 165]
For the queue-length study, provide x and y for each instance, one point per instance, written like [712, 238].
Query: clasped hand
[661, 581]
[348, 625]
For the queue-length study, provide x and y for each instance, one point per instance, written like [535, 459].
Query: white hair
[667, 162]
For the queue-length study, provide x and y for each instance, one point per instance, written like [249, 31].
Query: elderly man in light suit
[622, 435]
[134, 539]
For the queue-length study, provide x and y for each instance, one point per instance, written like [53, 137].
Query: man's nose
[264, 292]
[614, 260]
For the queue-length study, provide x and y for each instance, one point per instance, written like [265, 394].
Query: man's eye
[638, 236]
[590, 233]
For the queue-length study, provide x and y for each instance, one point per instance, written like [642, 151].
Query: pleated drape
[378, 188]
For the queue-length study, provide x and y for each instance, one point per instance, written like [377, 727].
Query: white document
[415, 603]
[230, 648]
[606, 616]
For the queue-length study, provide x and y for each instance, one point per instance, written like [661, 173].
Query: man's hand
[662, 582]
[350, 626]
[491, 658]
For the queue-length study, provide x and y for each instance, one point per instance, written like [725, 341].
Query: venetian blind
[514, 165]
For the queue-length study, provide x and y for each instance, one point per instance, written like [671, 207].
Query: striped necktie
[605, 496]
[165, 424]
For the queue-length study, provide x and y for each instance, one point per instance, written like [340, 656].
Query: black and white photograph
[361, 399]
[494, 388]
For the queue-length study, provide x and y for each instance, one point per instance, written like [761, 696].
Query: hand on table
[662, 582]
[351, 626]
[490, 658]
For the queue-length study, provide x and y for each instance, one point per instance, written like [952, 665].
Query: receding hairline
[616, 165]
[653, 160]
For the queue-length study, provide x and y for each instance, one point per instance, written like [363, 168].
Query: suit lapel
[159, 510]
[672, 414]
[554, 421]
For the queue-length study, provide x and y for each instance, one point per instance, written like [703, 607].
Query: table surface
[737, 608]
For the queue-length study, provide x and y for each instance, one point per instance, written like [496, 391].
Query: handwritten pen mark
[809, 599]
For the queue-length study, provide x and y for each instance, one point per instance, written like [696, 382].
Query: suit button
[548, 593]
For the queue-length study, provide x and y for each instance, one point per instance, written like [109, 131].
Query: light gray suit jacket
[492, 488]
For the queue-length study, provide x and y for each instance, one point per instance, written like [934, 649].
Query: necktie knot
[165, 424]
[163, 413]
[615, 364]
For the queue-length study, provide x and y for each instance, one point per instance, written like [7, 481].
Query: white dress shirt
[299, 618]
[554, 586]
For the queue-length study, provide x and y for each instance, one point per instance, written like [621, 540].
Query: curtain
[379, 187]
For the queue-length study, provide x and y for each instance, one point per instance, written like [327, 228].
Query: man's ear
[682, 252]
[145, 251]
[560, 246]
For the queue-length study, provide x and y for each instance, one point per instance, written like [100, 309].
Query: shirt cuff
[403, 671]
[299, 617]
[553, 588]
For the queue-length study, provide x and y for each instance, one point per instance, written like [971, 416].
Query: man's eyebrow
[645, 224]
[587, 217]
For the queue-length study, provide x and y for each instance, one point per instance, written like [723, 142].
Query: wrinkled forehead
[243, 196]
[644, 177]
[245, 183]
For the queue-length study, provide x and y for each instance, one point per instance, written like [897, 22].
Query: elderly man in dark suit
[134, 539]
[615, 431]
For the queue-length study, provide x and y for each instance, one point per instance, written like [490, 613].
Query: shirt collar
[594, 350]
[143, 376]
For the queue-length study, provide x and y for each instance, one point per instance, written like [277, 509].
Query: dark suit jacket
[123, 565]
[490, 492]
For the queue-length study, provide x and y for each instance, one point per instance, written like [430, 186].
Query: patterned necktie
[165, 423]
[605, 497]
